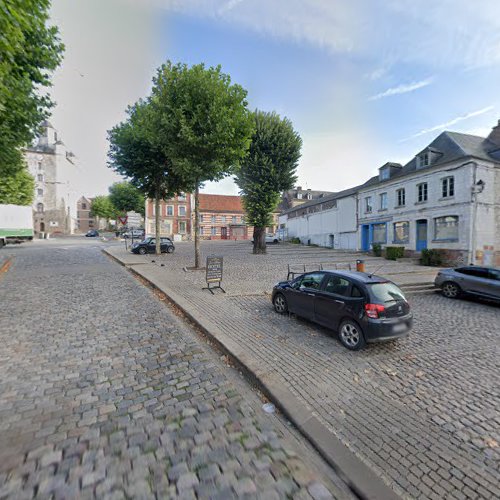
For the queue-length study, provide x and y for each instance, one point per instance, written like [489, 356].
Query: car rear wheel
[170, 249]
[351, 335]
[280, 303]
[142, 251]
[450, 290]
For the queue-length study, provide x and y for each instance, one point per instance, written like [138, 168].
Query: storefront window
[401, 232]
[379, 233]
[446, 228]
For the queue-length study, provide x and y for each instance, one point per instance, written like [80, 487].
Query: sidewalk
[361, 410]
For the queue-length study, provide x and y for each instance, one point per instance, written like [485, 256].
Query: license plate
[400, 327]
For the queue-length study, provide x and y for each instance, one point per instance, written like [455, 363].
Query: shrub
[432, 257]
[377, 249]
[295, 240]
[394, 253]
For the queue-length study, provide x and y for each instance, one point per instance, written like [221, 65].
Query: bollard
[360, 266]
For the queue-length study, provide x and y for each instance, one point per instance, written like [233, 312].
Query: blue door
[365, 238]
[421, 235]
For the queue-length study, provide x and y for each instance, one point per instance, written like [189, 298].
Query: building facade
[175, 217]
[54, 170]
[447, 197]
[85, 220]
[328, 222]
[223, 218]
[297, 196]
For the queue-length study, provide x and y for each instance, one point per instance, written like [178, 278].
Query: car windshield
[386, 292]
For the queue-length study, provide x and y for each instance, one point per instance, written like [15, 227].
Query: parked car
[271, 239]
[134, 233]
[92, 233]
[148, 245]
[360, 307]
[469, 280]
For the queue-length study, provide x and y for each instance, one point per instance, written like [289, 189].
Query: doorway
[332, 240]
[223, 233]
[42, 227]
[365, 238]
[421, 235]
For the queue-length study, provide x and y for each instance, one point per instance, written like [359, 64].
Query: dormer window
[299, 196]
[424, 160]
[309, 196]
[384, 174]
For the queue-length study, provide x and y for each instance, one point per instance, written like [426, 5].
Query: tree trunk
[197, 256]
[259, 240]
[157, 224]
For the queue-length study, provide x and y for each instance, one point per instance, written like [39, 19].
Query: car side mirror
[302, 288]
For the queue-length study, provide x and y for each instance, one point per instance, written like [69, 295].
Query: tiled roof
[221, 203]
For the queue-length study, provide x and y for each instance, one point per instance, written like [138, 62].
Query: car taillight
[374, 310]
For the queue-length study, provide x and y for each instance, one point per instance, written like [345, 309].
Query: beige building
[54, 170]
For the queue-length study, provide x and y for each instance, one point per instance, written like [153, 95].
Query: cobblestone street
[105, 392]
[422, 412]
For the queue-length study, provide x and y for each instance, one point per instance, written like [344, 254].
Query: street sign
[123, 220]
[214, 272]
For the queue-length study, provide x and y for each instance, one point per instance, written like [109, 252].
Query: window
[337, 285]
[401, 197]
[233, 219]
[182, 211]
[213, 219]
[384, 174]
[166, 228]
[299, 196]
[84, 206]
[401, 232]
[40, 177]
[40, 192]
[494, 274]
[312, 280]
[368, 204]
[446, 228]
[40, 165]
[39, 207]
[477, 272]
[223, 219]
[422, 192]
[448, 187]
[170, 210]
[181, 197]
[242, 219]
[309, 196]
[379, 233]
[356, 292]
[424, 160]
[383, 201]
[213, 231]
[182, 227]
[201, 231]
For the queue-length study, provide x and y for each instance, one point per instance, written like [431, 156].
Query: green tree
[102, 207]
[18, 188]
[125, 197]
[29, 52]
[267, 171]
[136, 153]
[201, 122]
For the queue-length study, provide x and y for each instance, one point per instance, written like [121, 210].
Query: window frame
[400, 195]
[423, 196]
[183, 207]
[383, 197]
[448, 187]
[394, 232]
[181, 224]
[457, 225]
[167, 207]
[368, 205]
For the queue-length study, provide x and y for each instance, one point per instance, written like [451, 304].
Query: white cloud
[402, 89]
[454, 121]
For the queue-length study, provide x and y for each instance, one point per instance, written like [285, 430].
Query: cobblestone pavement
[422, 412]
[105, 392]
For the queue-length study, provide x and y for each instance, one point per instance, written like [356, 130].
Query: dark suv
[148, 245]
[360, 307]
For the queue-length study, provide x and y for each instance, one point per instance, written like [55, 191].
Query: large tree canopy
[267, 170]
[18, 188]
[102, 207]
[125, 197]
[202, 124]
[29, 52]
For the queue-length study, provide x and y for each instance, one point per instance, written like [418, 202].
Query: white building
[55, 173]
[330, 221]
[447, 197]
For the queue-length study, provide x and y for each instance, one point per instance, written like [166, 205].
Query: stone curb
[361, 480]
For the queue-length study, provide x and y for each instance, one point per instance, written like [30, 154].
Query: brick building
[175, 217]
[222, 218]
[84, 217]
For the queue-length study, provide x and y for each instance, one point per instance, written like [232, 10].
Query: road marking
[5, 266]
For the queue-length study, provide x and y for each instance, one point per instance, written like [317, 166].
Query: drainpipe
[473, 212]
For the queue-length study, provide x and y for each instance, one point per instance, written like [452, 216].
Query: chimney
[495, 134]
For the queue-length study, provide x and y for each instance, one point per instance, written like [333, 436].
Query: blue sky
[364, 83]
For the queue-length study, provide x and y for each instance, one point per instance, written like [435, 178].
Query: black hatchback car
[360, 307]
[148, 245]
